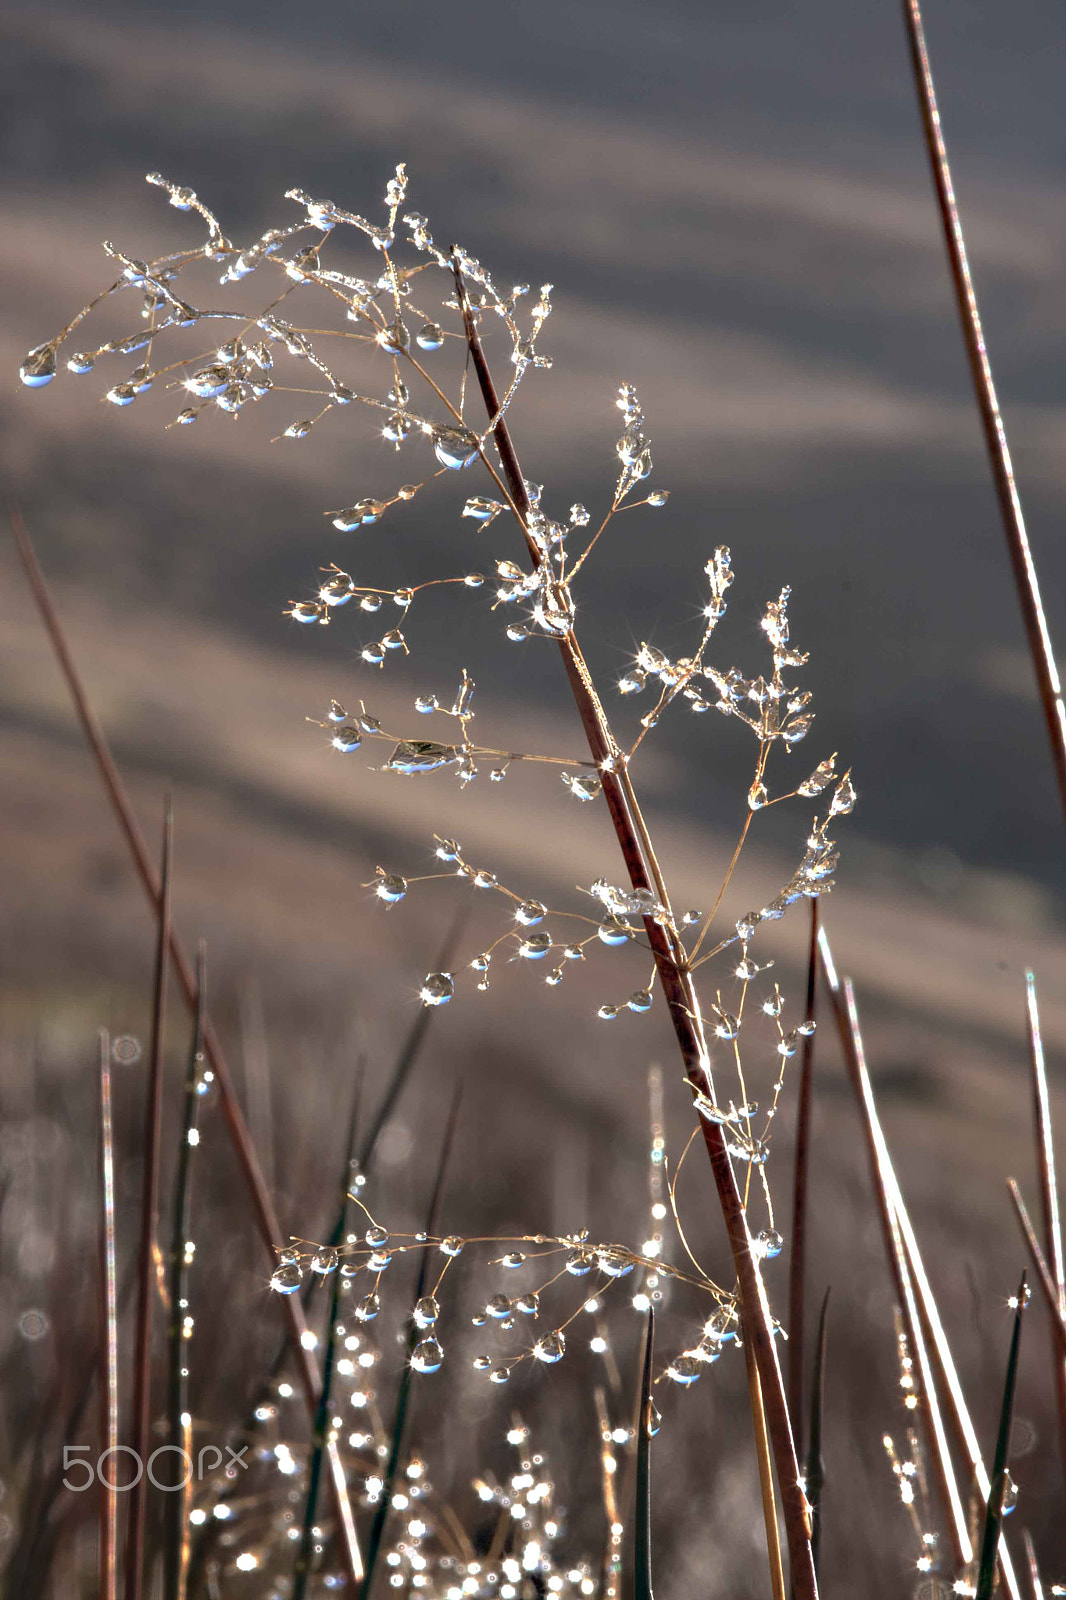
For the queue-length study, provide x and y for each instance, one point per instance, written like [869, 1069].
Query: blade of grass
[815, 1460]
[1021, 558]
[108, 1329]
[1040, 1266]
[1049, 1197]
[611, 1565]
[319, 1433]
[642, 1589]
[675, 977]
[797, 1260]
[986, 1577]
[1034, 1570]
[932, 1327]
[262, 1204]
[153, 1124]
[179, 1430]
[764, 1459]
[399, 1427]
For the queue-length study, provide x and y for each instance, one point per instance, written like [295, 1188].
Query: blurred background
[734, 207]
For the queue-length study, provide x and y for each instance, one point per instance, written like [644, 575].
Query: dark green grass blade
[815, 1461]
[175, 1547]
[302, 1569]
[986, 1577]
[797, 1259]
[146, 1284]
[399, 1427]
[642, 1589]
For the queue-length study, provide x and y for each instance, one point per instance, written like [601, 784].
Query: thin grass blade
[642, 1589]
[262, 1204]
[1034, 1570]
[815, 1459]
[179, 1430]
[797, 1261]
[932, 1327]
[1040, 1266]
[399, 1427]
[1021, 557]
[108, 1330]
[1049, 1196]
[146, 1287]
[986, 1577]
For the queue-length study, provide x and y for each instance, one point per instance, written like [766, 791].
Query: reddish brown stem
[1040, 1266]
[797, 1262]
[262, 1206]
[153, 1123]
[1021, 558]
[108, 1331]
[681, 999]
[1049, 1197]
[884, 1190]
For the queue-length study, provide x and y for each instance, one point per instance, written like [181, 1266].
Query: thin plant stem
[642, 1588]
[986, 1577]
[965, 1433]
[797, 1261]
[936, 1440]
[179, 1431]
[766, 1475]
[682, 1001]
[146, 1284]
[1049, 1197]
[815, 1459]
[1034, 1570]
[262, 1205]
[399, 1427]
[1040, 1267]
[109, 1330]
[1021, 557]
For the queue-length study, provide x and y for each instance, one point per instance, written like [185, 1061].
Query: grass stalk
[1034, 1570]
[642, 1589]
[262, 1204]
[108, 1330]
[815, 1476]
[986, 1577]
[932, 1327]
[766, 1475]
[1049, 1198]
[1040, 1266]
[399, 1426]
[884, 1187]
[1021, 557]
[797, 1259]
[146, 1284]
[179, 1431]
[682, 1002]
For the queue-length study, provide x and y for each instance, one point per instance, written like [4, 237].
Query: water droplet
[499, 1307]
[397, 426]
[455, 447]
[513, 1259]
[727, 1026]
[426, 704]
[613, 932]
[39, 367]
[376, 1236]
[528, 1304]
[81, 361]
[640, 1000]
[368, 1307]
[420, 755]
[844, 797]
[287, 1278]
[393, 640]
[430, 336]
[499, 1375]
[685, 1369]
[336, 591]
[573, 952]
[746, 969]
[607, 1013]
[370, 602]
[535, 946]
[394, 338]
[123, 394]
[362, 514]
[447, 850]
[757, 796]
[485, 880]
[1010, 1494]
[426, 1311]
[208, 382]
[373, 654]
[613, 1263]
[324, 1261]
[769, 1243]
[529, 913]
[186, 416]
[578, 1263]
[391, 887]
[427, 1356]
[437, 989]
[346, 740]
[583, 785]
[474, 580]
[551, 1348]
[482, 1363]
[451, 1246]
[300, 429]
